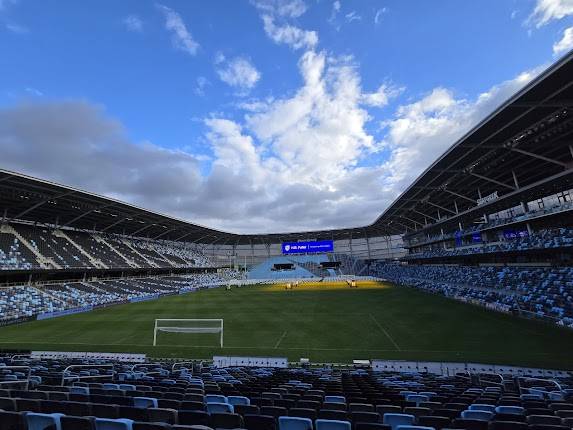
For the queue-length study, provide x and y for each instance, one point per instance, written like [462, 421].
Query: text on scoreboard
[305, 247]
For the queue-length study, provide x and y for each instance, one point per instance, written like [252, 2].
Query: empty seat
[332, 425]
[365, 417]
[470, 424]
[477, 415]
[10, 420]
[213, 408]
[333, 406]
[260, 422]
[507, 425]
[145, 402]
[151, 426]
[274, 411]
[39, 421]
[294, 423]
[215, 398]
[482, 407]
[76, 423]
[303, 412]
[193, 417]
[162, 415]
[371, 426]
[334, 399]
[238, 400]
[226, 420]
[434, 421]
[328, 414]
[395, 420]
[113, 424]
[361, 407]
[510, 410]
[246, 409]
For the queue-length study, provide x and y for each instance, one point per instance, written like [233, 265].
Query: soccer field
[326, 323]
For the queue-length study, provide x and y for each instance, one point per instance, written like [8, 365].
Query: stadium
[453, 309]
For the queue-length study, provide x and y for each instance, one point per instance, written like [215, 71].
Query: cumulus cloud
[381, 96]
[549, 10]
[181, 36]
[77, 144]
[421, 131]
[281, 8]
[290, 35]
[133, 23]
[238, 72]
[275, 15]
[565, 44]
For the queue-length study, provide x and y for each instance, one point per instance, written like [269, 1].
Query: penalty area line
[383, 330]
[281, 339]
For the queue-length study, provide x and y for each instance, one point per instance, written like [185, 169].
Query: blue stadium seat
[295, 423]
[395, 420]
[332, 425]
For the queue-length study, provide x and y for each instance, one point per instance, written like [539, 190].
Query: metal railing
[86, 366]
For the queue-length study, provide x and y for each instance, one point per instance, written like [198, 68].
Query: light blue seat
[113, 424]
[214, 408]
[215, 398]
[395, 420]
[80, 390]
[482, 407]
[335, 399]
[332, 425]
[145, 402]
[513, 410]
[295, 423]
[417, 398]
[407, 392]
[477, 415]
[238, 400]
[430, 394]
[37, 421]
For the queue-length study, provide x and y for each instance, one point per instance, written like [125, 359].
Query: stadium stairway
[95, 262]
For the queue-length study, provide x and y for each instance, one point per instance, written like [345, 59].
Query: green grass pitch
[324, 323]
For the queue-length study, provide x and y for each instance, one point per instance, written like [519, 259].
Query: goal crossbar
[174, 328]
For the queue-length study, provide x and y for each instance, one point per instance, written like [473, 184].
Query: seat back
[332, 425]
[238, 400]
[213, 408]
[38, 421]
[294, 423]
[113, 424]
[477, 415]
[395, 420]
[144, 402]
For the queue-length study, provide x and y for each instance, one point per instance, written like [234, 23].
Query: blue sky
[264, 115]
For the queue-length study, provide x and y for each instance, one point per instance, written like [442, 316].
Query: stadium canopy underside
[520, 152]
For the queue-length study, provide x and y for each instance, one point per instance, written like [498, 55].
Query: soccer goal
[188, 326]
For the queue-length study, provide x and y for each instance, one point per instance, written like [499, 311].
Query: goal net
[188, 326]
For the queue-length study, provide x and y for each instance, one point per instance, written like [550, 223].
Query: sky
[264, 115]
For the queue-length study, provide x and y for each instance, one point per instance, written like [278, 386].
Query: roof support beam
[426, 215]
[181, 237]
[165, 232]
[86, 213]
[540, 157]
[461, 196]
[485, 178]
[411, 220]
[142, 229]
[441, 207]
[119, 221]
[43, 202]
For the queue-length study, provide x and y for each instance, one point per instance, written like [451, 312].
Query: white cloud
[133, 23]
[17, 28]
[239, 73]
[378, 16]
[201, 83]
[290, 35]
[421, 131]
[381, 96]
[281, 8]
[353, 16]
[34, 91]
[336, 5]
[181, 36]
[549, 10]
[566, 42]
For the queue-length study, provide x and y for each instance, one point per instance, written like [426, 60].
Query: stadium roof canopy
[520, 152]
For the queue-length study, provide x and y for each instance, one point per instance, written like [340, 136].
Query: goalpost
[188, 325]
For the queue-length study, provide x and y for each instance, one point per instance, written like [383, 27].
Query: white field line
[383, 330]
